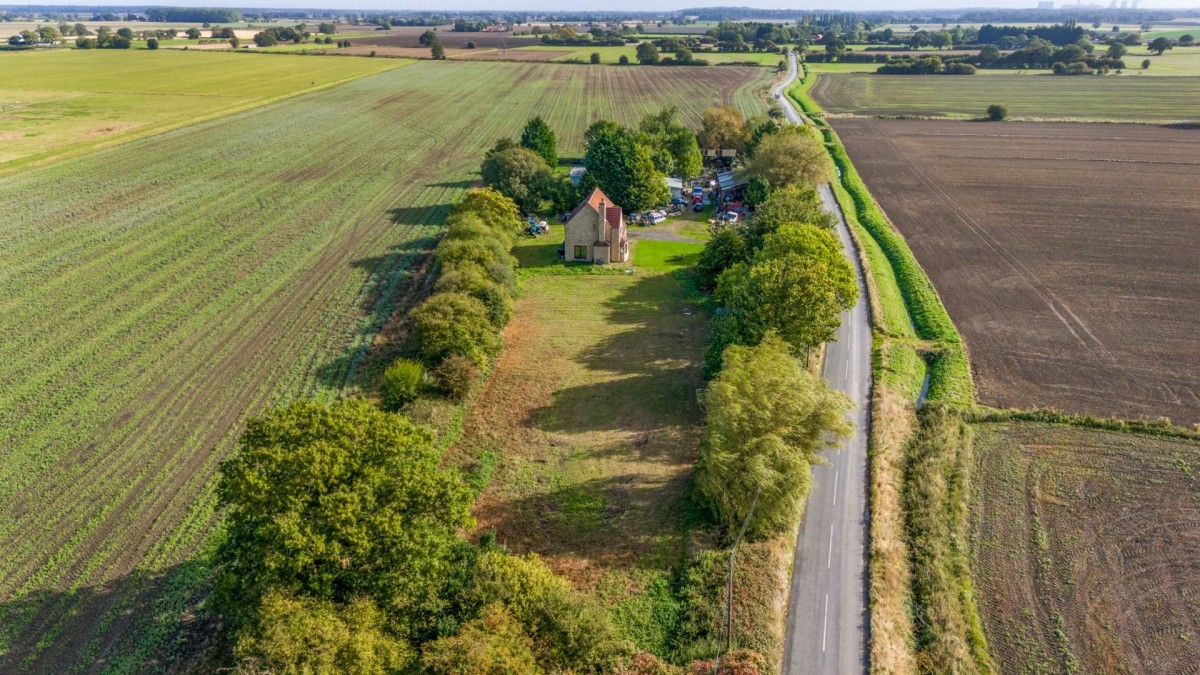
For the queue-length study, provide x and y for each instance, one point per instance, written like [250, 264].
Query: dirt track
[1067, 254]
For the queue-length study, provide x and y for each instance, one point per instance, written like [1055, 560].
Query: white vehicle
[657, 217]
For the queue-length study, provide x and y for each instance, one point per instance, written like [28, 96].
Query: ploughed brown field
[410, 36]
[1068, 255]
[1086, 550]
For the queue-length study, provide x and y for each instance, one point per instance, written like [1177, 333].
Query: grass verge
[937, 499]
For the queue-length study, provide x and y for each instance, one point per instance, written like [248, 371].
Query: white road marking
[847, 373]
[825, 629]
[829, 562]
[836, 472]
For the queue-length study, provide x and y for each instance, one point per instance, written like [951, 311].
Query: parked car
[730, 216]
[657, 217]
[698, 207]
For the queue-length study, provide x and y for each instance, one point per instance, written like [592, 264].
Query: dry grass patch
[592, 414]
[893, 421]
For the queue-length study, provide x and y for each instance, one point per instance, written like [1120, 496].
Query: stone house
[595, 231]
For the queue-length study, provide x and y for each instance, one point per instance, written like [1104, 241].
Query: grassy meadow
[1028, 96]
[66, 101]
[163, 290]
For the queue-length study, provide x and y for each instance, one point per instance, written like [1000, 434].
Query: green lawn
[1029, 96]
[159, 292]
[61, 102]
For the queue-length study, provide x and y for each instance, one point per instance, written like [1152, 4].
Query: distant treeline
[193, 14]
[905, 16]
[1063, 34]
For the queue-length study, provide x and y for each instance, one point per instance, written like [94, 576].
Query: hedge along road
[827, 611]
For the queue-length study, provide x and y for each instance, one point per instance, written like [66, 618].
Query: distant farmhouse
[595, 231]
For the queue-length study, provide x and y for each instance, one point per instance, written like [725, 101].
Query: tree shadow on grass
[620, 521]
[653, 366]
[142, 622]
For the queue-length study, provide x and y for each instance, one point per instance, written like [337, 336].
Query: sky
[618, 5]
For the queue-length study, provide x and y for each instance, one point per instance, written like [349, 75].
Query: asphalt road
[827, 611]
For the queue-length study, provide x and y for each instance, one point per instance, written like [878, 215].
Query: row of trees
[342, 550]
[781, 282]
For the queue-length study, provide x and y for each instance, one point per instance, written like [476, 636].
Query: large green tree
[766, 421]
[790, 204]
[540, 138]
[519, 174]
[667, 137]
[334, 502]
[623, 168]
[797, 286]
[647, 54]
[792, 156]
[723, 128]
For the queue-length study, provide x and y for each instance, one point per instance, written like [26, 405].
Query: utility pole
[729, 586]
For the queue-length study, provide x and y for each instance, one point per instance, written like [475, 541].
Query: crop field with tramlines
[61, 102]
[159, 292]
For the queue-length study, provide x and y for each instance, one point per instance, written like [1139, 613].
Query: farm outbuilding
[731, 186]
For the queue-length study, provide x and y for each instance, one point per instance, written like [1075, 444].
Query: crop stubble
[1087, 550]
[157, 293]
[1065, 253]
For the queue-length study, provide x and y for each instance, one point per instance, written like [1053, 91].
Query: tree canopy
[336, 502]
[723, 128]
[519, 174]
[623, 168]
[791, 156]
[539, 137]
[766, 421]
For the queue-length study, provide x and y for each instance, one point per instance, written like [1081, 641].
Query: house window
[580, 252]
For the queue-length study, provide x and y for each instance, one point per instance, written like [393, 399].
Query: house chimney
[602, 224]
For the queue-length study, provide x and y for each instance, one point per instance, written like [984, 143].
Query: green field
[64, 101]
[161, 291]
[1138, 99]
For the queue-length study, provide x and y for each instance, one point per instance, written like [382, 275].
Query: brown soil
[406, 52]
[410, 36]
[1087, 550]
[1065, 253]
[511, 54]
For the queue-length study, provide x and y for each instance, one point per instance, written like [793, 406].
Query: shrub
[726, 248]
[449, 324]
[493, 644]
[152, 43]
[473, 251]
[470, 45]
[401, 383]
[736, 662]
[477, 283]
[570, 631]
[624, 60]
[292, 635]
[457, 375]
[1146, 64]
[997, 112]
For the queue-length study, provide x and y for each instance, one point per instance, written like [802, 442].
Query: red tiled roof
[613, 215]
